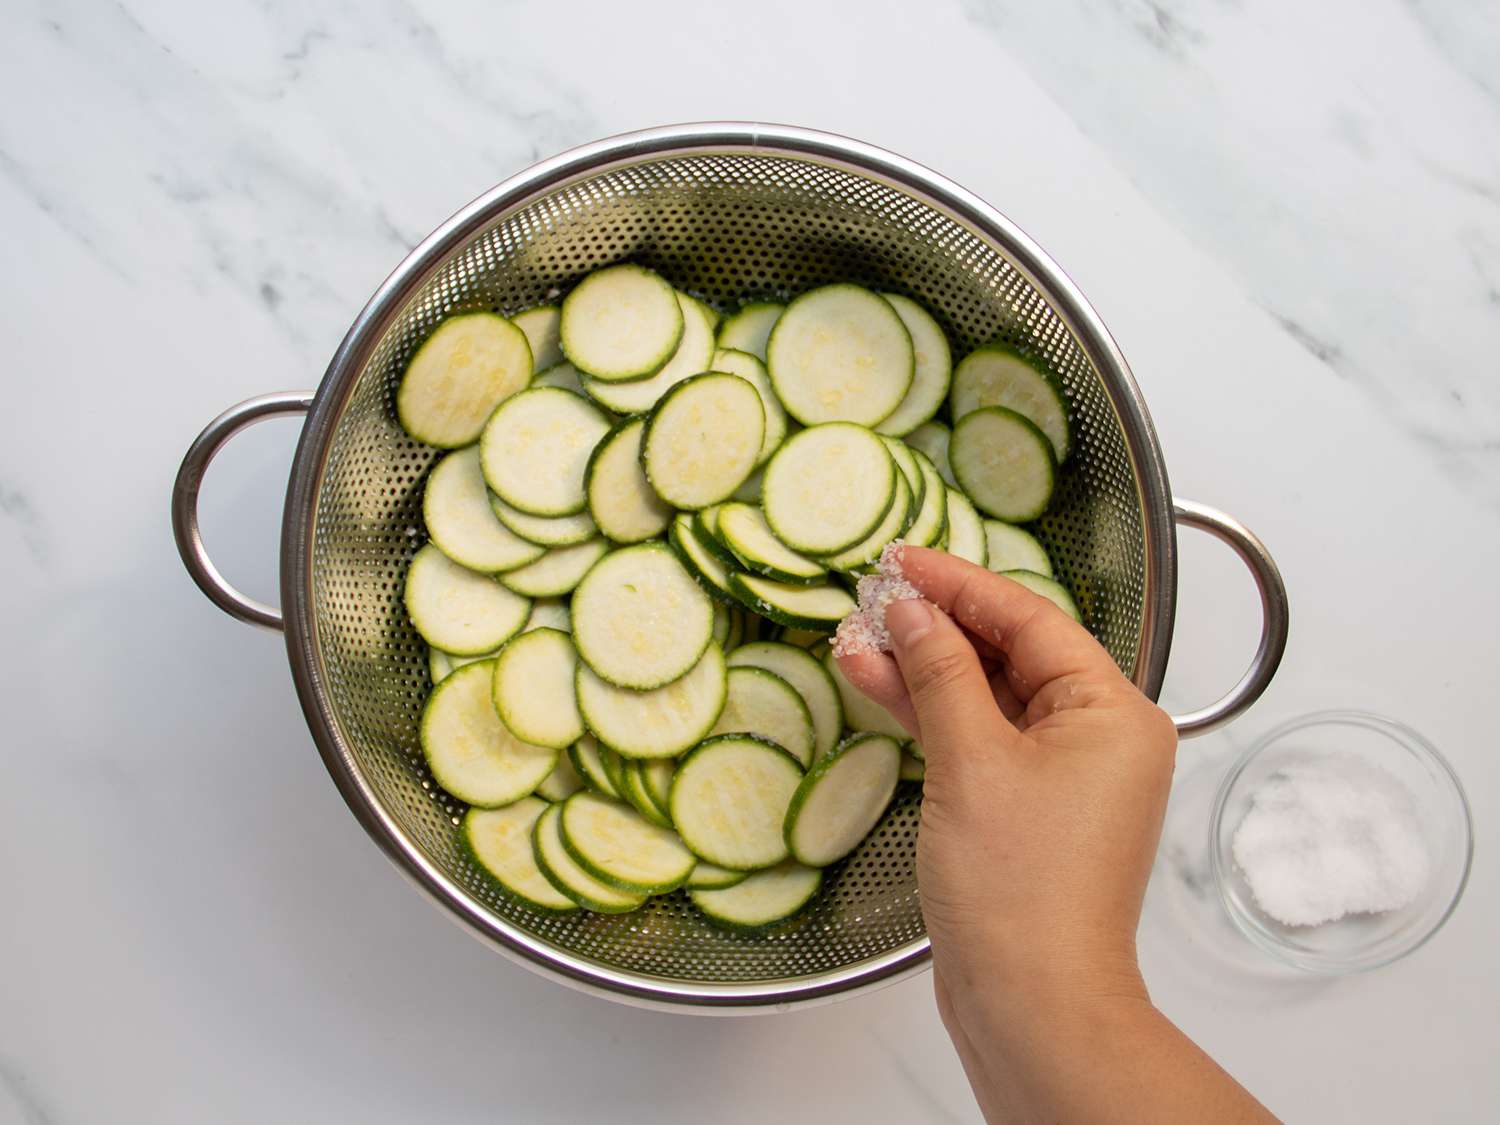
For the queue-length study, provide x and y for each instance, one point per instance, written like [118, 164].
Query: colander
[728, 212]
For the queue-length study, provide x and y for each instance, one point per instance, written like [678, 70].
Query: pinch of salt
[864, 629]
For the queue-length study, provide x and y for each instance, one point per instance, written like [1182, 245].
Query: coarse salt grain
[1329, 837]
[864, 629]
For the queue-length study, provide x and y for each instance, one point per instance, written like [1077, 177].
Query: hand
[1047, 774]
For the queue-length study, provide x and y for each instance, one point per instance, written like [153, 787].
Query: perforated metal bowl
[730, 212]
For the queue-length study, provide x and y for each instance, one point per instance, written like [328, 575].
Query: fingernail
[908, 621]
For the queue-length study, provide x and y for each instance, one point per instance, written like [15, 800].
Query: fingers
[949, 691]
[1039, 641]
[876, 674]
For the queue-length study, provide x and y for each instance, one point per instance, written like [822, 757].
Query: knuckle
[940, 673]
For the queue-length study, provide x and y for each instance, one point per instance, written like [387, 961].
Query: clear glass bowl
[1361, 941]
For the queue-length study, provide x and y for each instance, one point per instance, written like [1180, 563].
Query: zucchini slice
[469, 366]
[897, 519]
[861, 713]
[842, 798]
[1014, 548]
[800, 638]
[1049, 588]
[995, 375]
[913, 768]
[618, 846]
[542, 326]
[748, 329]
[930, 524]
[620, 323]
[639, 619]
[657, 774]
[588, 760]
[708, 877]
[762, 900]
[744, 530]
[749, 492]
[1003, 463]
[761, 703]
[533, 689]
[638, 796]
[840, 353]
[563, 872]
[563, 781]
[729, 801]
[709, 571]
[544, 531]
[692, 357]
[753, 371]
[654, 724]
[932, 370]
[556, 572]
[471, 753]
[458, 610]
[703, 439]
[499, 840]
[620, 498]
[440, 663]
[828, 487]
[706, 528]
[456, 510]
[966, 533]
[549, 613]
[536, 446]
[808, 678]
[803, 607]
[562, 375]
[932, 439]
[906, 460]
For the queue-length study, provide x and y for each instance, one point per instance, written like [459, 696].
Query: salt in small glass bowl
[1356, 942]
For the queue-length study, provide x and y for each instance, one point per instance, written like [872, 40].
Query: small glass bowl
[1363, 941]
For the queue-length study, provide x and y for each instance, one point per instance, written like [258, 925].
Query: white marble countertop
[1288, 214]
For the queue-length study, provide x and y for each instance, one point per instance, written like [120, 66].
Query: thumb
[950, 693]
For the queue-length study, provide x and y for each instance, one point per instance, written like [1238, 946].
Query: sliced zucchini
[966, 535]
[536, 446]
[842, 798]
[931, 522]
[1003, 463]
[562, 375]
[729, 800]
[805, 607]
[638, 796]
[620, 323]
[913, 768]
[932, 439]
[749, 492]
[703, 439]
[533, 689]
[764, 899]
[556, 572]
[1049, 588]
[465, 369]
[692, 357]
[762, 703]
[753, 371]
[618, 846]
[906, 460]
[932, 370]
[995, 375]
[620, 498]
[897, 519]
[458, 610]
[861, 713]
[639, 619]
[709, 572]
[655, 724]
[706, 528]
[709, 877]
[808, 678]
[840, 353]
[1014, 548]
[563, 872]
[722, 618]
[588, 760]
[657, 774]
[549, 613]
[736, 634]
[542, 326]
[440, 663]
[456, 510]
[543, 531]
[614, 769]
[470, 752]
[800, 638]
[500, 842]
[828, 488]
[756, 548]
[749, 329]
[563, 781]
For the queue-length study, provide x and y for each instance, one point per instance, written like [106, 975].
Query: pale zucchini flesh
[805, 607]
[896, 520]
[459, 610]
[807, 677]
[906, 461]
[743, 528]
[471, 753]
[1049, 588]
[533, 689]
[563, 376]
[470, 365]
[542, 326]
[761, 703]
[842, 798]
[694, 353]
[617, 845]
[657, 774]
[1003, 463]
[639, 619]
[931, 372]
[729, 801]
[589, 762]
[633, 782]
[709, 571]
[931, 522]
[456, 510]
[749, 328]
[556, 572]
[995, 375]
[440, 663]
[703, 439]
[1014, 548]
[549, 613]
[753, 371]
[966, 533]
[544, 531]
[762, 900]
[620, 323]
[661, 723]
[706, 528]
[828, 487]
[500, 842]
[932, 439]
[620, 498]
[536, 446]
[563, 781]
[709, 877]
[563, 872]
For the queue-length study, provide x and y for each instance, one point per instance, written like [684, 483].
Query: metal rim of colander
[647, 146]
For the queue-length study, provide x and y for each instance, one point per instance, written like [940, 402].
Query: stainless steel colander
[726, 211]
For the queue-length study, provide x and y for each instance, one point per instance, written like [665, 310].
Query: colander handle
[185, 501]
[1274, 615]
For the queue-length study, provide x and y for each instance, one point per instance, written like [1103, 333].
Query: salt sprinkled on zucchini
[864, 630]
